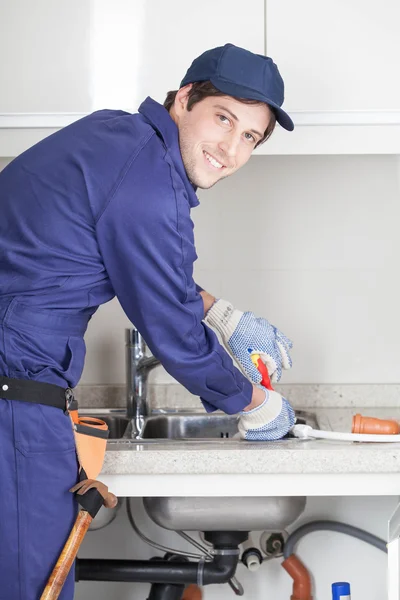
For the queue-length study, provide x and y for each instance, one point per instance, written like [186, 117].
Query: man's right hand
[270, 420]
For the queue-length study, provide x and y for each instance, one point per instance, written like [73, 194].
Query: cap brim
[238, 91]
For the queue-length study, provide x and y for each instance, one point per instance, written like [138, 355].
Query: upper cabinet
[45, 56]
[178, 31]
[65, 60]
[340, 61]
[337, 55]
[45, 71]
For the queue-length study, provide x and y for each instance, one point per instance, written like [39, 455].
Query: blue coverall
[98, 209]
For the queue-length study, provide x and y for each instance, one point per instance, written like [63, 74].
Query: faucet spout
[138, 367]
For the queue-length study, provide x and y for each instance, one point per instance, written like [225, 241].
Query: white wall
[312, 244]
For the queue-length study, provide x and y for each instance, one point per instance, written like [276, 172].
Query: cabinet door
[336, 55]
[45, 56]
[176, 32]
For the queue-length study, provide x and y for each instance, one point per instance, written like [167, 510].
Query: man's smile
[213, 161]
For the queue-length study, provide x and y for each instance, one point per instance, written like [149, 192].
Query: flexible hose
[306, 432]
[295, 568]
[332, 526]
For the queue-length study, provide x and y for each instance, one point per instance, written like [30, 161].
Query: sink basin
[202, 426]
[117, 423]
[183, 426]
[180, 426]
[224, 514]
[236, 513]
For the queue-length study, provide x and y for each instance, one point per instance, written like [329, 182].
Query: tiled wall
[312, 244]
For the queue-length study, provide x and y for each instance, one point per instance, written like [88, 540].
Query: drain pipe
[219, 570]
[166, 591]
[301, 578]
[295, 568]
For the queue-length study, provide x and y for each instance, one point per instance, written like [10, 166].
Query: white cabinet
[178, 31]
[143, 48]
[339, 60]
[337, 55]
[67, 59]
[83, 56]
[45, 56]
[45, 69]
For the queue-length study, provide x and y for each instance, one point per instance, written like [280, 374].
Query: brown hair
[204, 89]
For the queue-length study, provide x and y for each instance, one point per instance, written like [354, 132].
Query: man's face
[217, 136]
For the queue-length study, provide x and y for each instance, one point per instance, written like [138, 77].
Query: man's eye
[250, 137]
[223, 119]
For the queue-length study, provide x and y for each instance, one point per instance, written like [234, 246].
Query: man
[102, 208]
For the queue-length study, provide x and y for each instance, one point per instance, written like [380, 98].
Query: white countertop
[287, 467]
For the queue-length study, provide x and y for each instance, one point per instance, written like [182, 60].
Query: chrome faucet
[138, 367]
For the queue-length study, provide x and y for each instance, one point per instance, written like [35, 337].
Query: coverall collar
[160, 119]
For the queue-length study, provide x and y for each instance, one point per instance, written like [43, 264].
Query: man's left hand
[243, 333]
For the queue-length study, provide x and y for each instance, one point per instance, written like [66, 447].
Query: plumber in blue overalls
[102, 208]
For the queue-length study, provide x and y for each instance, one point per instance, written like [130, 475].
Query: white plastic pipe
[307, 432]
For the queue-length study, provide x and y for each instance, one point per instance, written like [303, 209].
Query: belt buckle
[70, 402]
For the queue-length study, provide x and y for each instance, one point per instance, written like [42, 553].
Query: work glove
[244, 333]
[270, 421]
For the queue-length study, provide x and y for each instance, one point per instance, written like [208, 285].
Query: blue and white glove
[270, 421]
[241, 331]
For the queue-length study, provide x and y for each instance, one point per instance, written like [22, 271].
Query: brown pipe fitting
[374, 426]
[192, 592]
[301, 578]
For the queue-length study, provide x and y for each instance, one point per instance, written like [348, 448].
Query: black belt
[38, 392]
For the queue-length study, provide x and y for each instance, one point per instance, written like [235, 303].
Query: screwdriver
[262, 369]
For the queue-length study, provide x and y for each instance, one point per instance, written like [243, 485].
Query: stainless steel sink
[216, 513]
[204, 513]
[180, 426]
[202, 426]
[190, 426]
[238, 513]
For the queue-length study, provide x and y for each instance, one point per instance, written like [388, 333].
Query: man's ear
[181, 98]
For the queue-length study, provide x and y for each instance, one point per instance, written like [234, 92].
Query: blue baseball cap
[240, 73]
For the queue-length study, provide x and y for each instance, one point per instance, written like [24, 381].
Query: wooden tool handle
[67, 557]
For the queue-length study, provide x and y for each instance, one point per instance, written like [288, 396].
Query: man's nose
[229, 145]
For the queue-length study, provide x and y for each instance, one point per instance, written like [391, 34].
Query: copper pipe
[301, 578]
[192, 592]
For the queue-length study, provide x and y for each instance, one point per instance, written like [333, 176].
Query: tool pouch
[90, 440]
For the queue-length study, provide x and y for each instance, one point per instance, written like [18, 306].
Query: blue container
[341, 591]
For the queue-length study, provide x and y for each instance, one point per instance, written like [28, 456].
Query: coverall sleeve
[145, 235]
